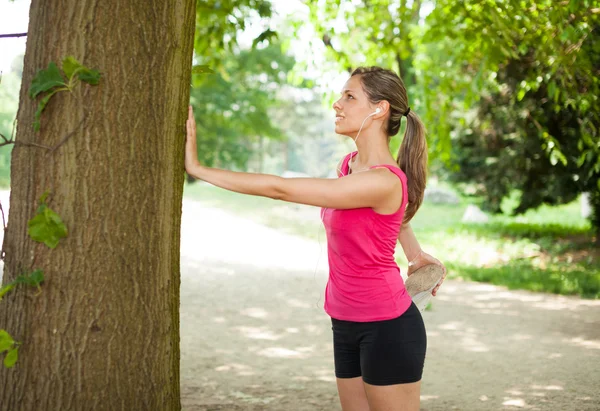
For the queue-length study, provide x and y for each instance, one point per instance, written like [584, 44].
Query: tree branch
[29, 144]
[341, 55]
[67, 136]
[3, 36]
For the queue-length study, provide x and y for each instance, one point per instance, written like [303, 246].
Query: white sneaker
[421, 283]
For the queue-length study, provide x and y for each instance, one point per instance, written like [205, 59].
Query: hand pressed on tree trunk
[191, 148]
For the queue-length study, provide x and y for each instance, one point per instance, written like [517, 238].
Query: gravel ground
[255, 337]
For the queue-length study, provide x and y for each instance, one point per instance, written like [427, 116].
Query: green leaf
[20, 280]
[551, 89]
[70, 65]
[202, 69]
[36, 278]
[47, 227]
[265, 35]
[45, 80]
[6, 341]
[4, 290]
[41, 106]
[43, 198]
[90, 76]
[581, 159]
[11, 358]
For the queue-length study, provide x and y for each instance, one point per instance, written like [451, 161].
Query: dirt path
[255, 337]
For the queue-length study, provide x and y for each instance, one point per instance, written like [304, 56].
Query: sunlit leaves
[233, 110]
[219, 23]
[11, 357]
[550, 41]
[72, 67]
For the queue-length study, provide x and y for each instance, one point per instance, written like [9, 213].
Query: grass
[548, 250]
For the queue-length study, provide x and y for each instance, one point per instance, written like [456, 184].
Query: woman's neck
[371, 152]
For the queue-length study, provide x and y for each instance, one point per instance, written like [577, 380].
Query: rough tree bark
[104, 332]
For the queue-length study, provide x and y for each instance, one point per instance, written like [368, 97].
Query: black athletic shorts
[382, 352]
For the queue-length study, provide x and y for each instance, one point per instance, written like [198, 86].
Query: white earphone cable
[358, 134]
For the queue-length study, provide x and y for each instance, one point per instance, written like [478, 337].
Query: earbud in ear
[377, 110]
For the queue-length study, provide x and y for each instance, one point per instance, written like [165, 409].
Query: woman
[378, 332]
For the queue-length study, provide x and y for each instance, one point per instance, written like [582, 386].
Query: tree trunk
[104, 331]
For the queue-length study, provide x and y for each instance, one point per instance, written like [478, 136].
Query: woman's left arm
[416, 257]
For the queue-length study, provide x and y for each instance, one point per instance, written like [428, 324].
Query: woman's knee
[397, 397]
[352, 394]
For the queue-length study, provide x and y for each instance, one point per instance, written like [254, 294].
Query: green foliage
[10, 346]
[218, 23]
[11, 357]
[378, 34]
[508, 143]
[202, 69]
[556, 44]
[235, 84]
[71, 67]
[45, 80]
[508, 88]
[5, 289]
[233, 110]
[35, 279]
[512, 95]
[6, 341]
[528, 142]
[268, 35]
[41, 106]
[46, 226]
[556, 278]
[51, 81]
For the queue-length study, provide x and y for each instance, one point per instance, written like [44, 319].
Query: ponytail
[412, 160]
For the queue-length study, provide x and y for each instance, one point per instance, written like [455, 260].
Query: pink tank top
[364, 280]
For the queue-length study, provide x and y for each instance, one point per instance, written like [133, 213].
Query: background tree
[233, 105]
[369, 32]
[526, 106]
[464, 57]
[219, 22]
[104, 332]
[387, 33]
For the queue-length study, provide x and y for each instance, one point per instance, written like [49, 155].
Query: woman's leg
[352, 394]
[346, 354]
[398, 397]
[392, 358]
